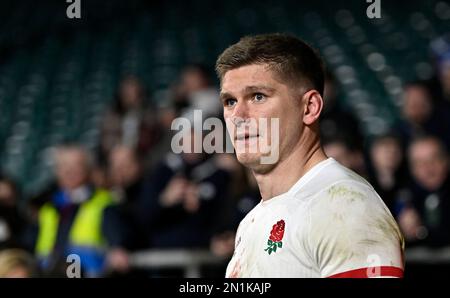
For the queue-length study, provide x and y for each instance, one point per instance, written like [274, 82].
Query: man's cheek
[231, 129]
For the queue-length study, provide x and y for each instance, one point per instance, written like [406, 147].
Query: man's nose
[240, 113]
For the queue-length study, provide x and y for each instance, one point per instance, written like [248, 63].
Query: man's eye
[229, 102]
[259, 97]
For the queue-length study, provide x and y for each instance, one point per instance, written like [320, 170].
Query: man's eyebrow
[256, 88]
[225, 95]
[247, 90]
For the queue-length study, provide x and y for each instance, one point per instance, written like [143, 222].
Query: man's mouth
[245, 137]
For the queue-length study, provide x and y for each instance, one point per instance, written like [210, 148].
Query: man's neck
[289, 171]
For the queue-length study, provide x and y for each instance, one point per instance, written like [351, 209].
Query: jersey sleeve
[352, 233]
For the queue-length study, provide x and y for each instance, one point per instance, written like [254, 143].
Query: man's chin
[249, 159]
[253, 162]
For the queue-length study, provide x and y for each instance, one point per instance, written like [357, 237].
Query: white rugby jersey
[331, 223]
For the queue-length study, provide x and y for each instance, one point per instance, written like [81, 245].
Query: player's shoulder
[351, 204]
[334, 190]
[336, 187]
[334, 179]
[347, 194]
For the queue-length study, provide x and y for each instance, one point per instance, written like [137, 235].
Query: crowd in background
[133, 193]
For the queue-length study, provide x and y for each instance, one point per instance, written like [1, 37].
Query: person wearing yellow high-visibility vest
[71, 222]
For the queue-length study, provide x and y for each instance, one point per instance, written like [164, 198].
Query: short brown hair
[290, 57]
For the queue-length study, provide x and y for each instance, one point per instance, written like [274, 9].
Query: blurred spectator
[336, 122]
[420, 116]
[11, 220]
[121, 222]
[444, 75]
[241, 204]
[425, 216]
[440, 48]
[32, 207]
[344, 153]
[130, 121]
[16, 263]
[70, 222]
[387, 172]
[99, 176]
[195, 91]
[181, 199]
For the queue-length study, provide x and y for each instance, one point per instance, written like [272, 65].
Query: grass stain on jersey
[345, 192]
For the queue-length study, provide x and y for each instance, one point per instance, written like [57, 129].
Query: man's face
[130, 93]
[251, 93]
[71, 169]
[124, 167]
[387, 155]
[416, 105]
[428, 164]
[7, 194]
[193, 80]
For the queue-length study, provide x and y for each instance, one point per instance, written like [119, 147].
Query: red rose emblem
[277, 231]
[276, 235]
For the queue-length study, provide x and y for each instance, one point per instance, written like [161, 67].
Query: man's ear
[313, 104]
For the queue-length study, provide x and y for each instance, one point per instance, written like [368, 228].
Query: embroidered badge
[276, 235]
